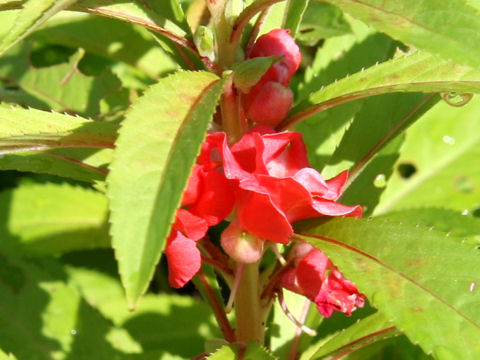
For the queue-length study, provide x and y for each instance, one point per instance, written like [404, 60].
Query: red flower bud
[269, 104]
[241, 246]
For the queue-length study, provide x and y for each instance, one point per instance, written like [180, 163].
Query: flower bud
[241, 246]
[269, 103]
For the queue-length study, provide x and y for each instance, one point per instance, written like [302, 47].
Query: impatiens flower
[274, 185]
[315, 277]
[269, 101]
[206, 201]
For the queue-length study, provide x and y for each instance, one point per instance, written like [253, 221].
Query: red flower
[320, 281]
[209, 200]
[274, 186]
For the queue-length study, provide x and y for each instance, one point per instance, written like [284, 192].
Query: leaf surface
[33, 14]
[447, 28]
[401, 269]
[51, 219]
[293, 15]
[418, 72]
[156, 149]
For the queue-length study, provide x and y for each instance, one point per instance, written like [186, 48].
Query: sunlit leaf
[156, 149]
[402, 271]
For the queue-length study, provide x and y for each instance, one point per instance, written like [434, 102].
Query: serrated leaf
[441, 150]
[293, 15]
[225, 353]
[44, 317]
[255, 351]
[156, 149]
[419, 72]
[51, 219]
[33, 14]
[62, 87]
[447, 28]
[401, 269]
[367, 331]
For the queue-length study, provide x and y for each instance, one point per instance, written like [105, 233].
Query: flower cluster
[266, 178]
[269, 101]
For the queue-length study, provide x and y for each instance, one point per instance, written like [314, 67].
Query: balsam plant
[251, 179]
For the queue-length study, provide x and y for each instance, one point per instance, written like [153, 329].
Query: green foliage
[249, 72]
[156, 149]
[447, 28]
[414, 291]
[51, 219]
[293, 15]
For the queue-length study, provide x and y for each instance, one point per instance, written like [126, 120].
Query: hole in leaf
[464, 185]
[45, 56]
[406, 170]
[476, 212]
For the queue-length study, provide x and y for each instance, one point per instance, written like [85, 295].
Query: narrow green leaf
[51, 219]
[401, 269]
[249, 72]
[447, 28]
[293, 15]
[437, 165]
[367, 331]
[157, 147]
[33, 14]
[419, 72]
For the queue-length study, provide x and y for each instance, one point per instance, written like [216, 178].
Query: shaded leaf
[157, 147]
[293, 15]
[401, 269]
[50, 219]
[33, 14]
[447, 28]
[435, 167]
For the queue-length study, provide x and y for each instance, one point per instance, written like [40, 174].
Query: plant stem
[231, 114]
[248, 308]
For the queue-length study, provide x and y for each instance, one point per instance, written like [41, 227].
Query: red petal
[258, 215]
[184, 259]
[335, 186]
[191, 225]
[331, 208]
[193, 186]
[311, 273]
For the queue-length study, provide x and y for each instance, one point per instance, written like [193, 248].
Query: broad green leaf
[447, 28]
[156, 149]
[437, 163]
[369, 330]
[50, 219]
[449, 221]
[44, 317]
[293, 15]
[108, 38]
[418, 72]
[401, 270]
[162, 324]
[321, 20]
[33, 14]
[62, 87]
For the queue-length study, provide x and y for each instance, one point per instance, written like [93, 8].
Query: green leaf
[50, 219]
[369, 330]
[171, 10]
[157, 147]
[4, 356]
[254, 351]
[401, 269]
[62, 87]
[161, 324]
[418, 72]
[44, 317]
[435, 165]
[108, 38]
[293, 15]
[447, 28]
[225, 353]
[320, 21]
[249, 72]
[33, 14]
[445, 220]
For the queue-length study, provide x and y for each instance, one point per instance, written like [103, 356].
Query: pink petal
[335, 186]
[191, 225]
